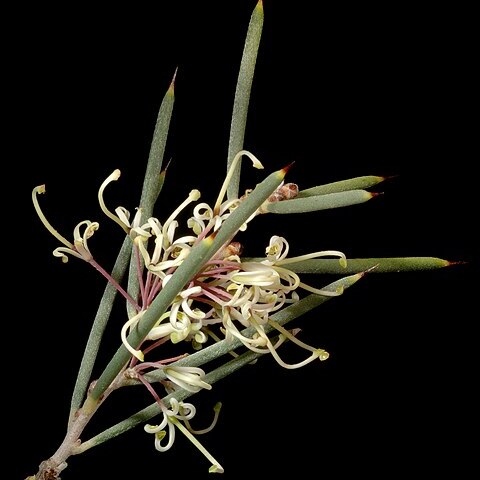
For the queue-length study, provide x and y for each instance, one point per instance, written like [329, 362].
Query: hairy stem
[50, 469]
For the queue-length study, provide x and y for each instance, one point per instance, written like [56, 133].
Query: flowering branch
[197, 288]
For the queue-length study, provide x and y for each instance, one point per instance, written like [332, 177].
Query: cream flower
[79, 247]
[180, 413]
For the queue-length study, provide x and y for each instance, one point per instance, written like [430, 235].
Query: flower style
[79, 247]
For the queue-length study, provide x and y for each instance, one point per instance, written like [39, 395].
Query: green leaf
[320, 202]
[383, 265]
[242, 94]
[154, 179]
[357, 183]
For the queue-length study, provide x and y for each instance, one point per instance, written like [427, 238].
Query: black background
[342, 92]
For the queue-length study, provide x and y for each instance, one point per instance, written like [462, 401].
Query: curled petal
[277, 249]
[189, 378]
[61, 251]
[124, 215]
[157, 252]
[190, 291]
[81, 240]
[156, 428]
[187, 411]
[195, 314]
[200, 337]
[136, 353]
[196, 225]
[161, 435]
[155, 226]
[178, 319]
[160, 331]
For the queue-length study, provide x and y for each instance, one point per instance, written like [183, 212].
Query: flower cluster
[228, 292]
[227, 296]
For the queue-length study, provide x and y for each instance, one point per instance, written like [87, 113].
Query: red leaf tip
[388, 177]
[172, 83]
[287, 168]
[449, 264]
[368, 270]
[164, 170]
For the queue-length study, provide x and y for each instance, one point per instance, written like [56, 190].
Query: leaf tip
[374, 194]
[164, 170]
[450, 264]
[388, 177]
[285, 170]
[209, 240]
[368, 270]
[171, 88]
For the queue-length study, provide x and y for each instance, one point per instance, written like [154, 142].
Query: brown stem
[50, 469]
